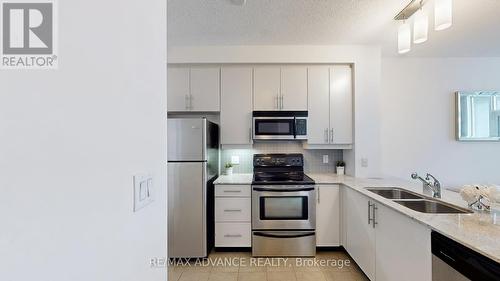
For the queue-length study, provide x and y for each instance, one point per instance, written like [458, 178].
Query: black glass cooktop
[281, 178]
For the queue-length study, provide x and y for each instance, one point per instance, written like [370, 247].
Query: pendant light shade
[420, 27]
[442, 14]
[404, 38]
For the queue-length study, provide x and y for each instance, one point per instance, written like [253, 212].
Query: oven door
[283, 207]
[279, 128]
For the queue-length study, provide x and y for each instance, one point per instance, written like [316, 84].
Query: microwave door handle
[294, 127]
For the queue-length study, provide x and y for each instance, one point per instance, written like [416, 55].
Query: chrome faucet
[429, 183]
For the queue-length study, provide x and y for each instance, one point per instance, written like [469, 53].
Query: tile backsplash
[313, 159]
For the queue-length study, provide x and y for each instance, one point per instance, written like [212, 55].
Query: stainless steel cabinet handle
[281, 104]
[326, 135]
[232, 235]
[232, 191]
[331, 135]
[191, 102]
[186, 100]
[374, 215]
[250, 134]
[232, 210]
[369, 213]
[277, 101]
[319, 194]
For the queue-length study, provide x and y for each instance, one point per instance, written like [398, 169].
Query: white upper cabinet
[330, 106]
[236, 105]
[205, 88]
[193, 88]
[328, 216]
[267, 87]
[319, 105]
[293, 88]
[178, 88]
[341, 104]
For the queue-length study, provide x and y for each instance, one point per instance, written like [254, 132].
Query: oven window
[274, 127]
[283, 208]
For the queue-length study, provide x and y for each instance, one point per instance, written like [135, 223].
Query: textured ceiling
[475, 30]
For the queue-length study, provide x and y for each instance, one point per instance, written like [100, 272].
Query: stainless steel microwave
[280, 125]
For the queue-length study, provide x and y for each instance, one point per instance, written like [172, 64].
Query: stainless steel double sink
[417, 202]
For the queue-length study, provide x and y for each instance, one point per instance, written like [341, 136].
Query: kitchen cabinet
[293, 88]
[236, 105]
[328, 216]
[267, 87]
[330, 106]
[360, 233]
[386, 245]
[341, 104]
[403, 247]
[280, 88]
[178, 88]
[205, 88]
[233, 216]
[193, 88]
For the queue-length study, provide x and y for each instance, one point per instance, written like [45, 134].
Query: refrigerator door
[187, 139]
[187, 218]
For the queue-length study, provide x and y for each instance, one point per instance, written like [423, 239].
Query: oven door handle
[273, 235]
[283, 190]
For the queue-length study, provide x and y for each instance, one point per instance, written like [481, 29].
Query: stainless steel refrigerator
[193, 164]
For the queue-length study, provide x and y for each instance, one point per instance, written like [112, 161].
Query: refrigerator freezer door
[187, 216]
[186, 139]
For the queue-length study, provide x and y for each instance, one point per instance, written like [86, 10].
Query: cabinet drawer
[233, 210]
[233, 235]
[233, 190]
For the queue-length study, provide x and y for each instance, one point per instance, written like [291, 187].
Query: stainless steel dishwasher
[452, 261]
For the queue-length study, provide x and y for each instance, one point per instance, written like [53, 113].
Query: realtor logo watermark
[29, 34]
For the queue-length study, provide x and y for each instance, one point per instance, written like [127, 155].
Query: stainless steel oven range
[283, 207]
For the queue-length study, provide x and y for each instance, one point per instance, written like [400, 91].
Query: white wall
[71, 140]
[366, 60]
[418, 119]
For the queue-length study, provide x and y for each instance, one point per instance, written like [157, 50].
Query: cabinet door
[177, 88]
[205, 88]
[341, 104]
[403, 247]
[267, 87]
[318, 105]
[328, 216]
[293, 88]
[360, 234]
[236, 105]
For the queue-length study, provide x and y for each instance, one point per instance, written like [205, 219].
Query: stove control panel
[278, 160]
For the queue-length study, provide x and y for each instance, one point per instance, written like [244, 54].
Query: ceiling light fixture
[420, 27]
[443, 20]
[443, 10]
[404, 38]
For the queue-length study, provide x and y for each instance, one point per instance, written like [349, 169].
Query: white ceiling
[475, 30]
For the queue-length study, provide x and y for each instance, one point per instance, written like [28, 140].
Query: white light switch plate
[364, 162]
[143, 191]
[325, 159]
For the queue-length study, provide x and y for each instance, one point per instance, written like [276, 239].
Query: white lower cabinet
[328, 216]
[233, 216]
[360, 242]
[403, 247]
[386, 245]
[233, 234]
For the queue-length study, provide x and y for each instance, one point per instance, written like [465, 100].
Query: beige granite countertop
[234, 179]
[476, 231]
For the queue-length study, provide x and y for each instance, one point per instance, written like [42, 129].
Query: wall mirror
[478, 116]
